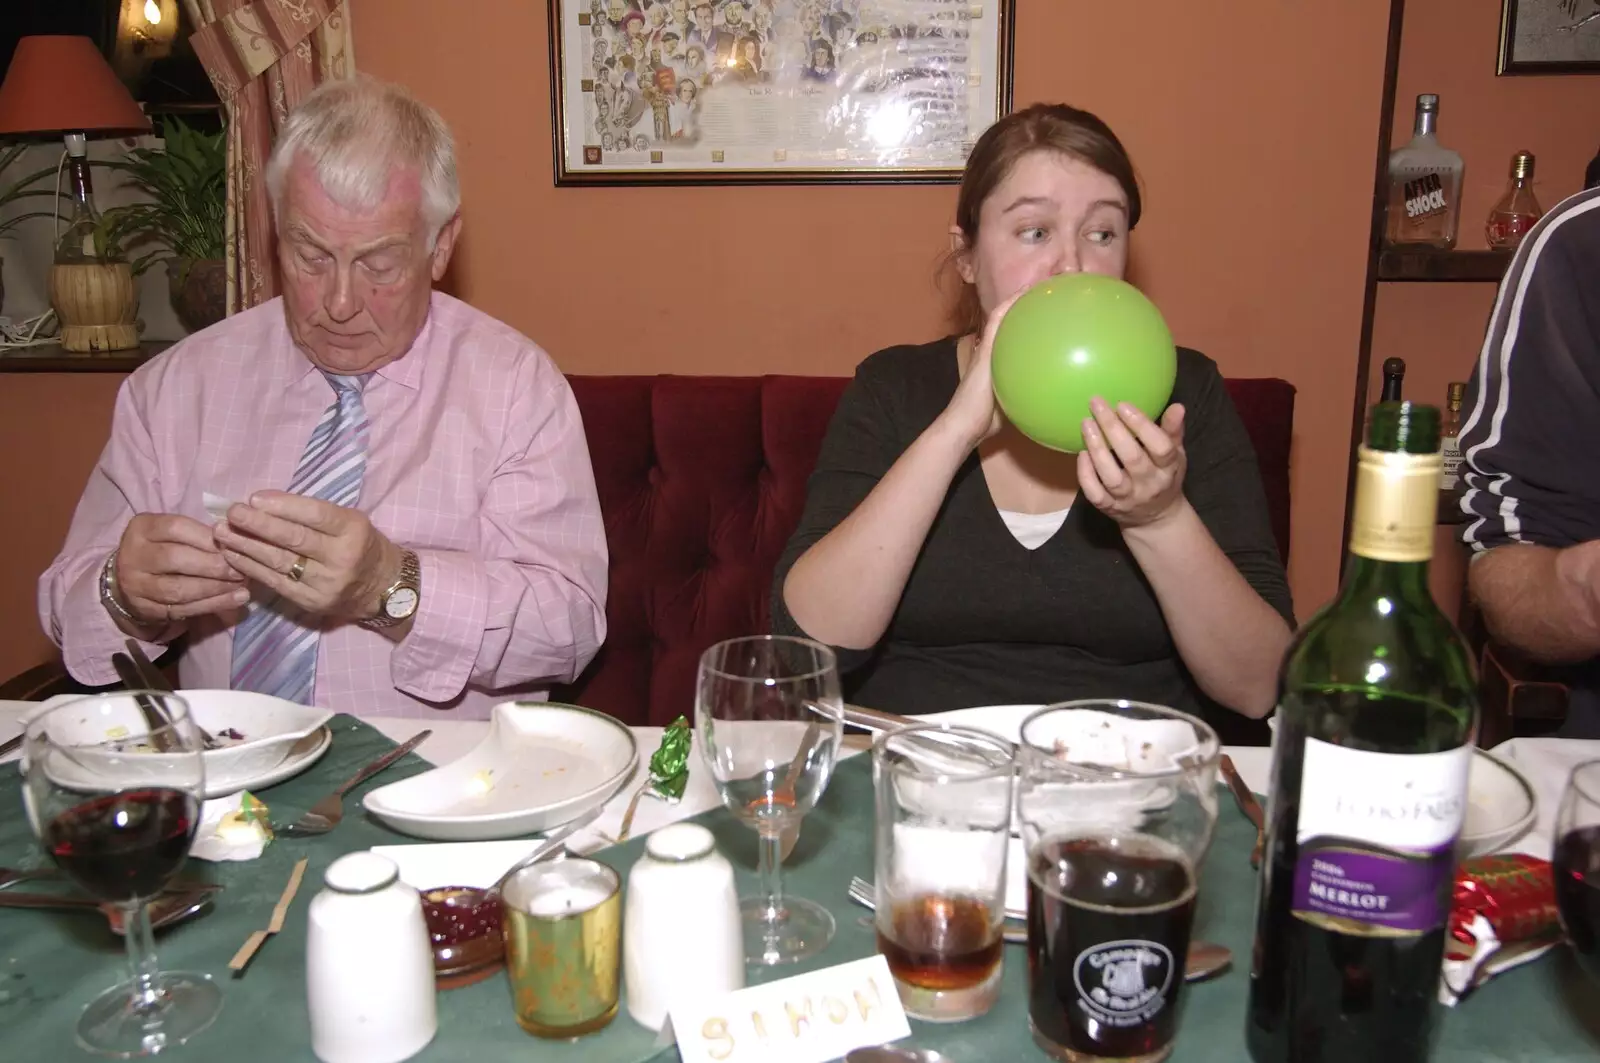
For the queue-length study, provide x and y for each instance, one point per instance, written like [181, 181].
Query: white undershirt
[1033, 530]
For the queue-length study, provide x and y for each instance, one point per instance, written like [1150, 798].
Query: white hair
[354, 133]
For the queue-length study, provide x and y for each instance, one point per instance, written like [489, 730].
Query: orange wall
[52, 428]
[1252, 123]
[1449, 48]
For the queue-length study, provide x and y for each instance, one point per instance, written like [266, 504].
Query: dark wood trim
[53, 359]
[1369, 306]
[1429, 265]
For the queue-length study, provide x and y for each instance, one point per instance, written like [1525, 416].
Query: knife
[151, 678]
[155, 717]
[1248, 805]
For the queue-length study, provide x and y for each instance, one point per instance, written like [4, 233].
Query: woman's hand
[972, 411]
[1132, 469]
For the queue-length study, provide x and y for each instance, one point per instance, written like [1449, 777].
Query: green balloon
[1070, 338]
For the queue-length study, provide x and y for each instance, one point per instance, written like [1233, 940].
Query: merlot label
[1377, 835]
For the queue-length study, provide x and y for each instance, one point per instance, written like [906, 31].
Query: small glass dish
[464, 925]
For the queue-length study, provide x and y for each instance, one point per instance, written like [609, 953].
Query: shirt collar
[407, 370]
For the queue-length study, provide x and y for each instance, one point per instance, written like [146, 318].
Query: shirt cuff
[89, 636]
[436, 658]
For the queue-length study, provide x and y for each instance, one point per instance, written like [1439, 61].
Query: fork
[326, 814]
[865, 894]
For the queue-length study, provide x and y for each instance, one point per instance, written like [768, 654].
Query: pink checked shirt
[478, 463]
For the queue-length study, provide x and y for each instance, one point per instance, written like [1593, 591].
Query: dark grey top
[983, 619]
[1530, 426]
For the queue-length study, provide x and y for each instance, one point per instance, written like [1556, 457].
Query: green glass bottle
[1377, 714]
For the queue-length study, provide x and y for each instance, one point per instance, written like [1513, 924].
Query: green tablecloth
[52, 963]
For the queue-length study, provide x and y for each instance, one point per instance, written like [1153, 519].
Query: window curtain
[264, 57]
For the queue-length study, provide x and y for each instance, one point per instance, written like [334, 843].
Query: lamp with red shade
[63, 86]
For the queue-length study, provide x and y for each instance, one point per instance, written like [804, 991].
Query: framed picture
[1549, 37]
[754, 91]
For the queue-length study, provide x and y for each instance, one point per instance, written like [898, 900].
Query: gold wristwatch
[398, 602]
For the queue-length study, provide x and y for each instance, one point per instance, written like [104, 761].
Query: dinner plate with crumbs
[541, 765]
[261, 739]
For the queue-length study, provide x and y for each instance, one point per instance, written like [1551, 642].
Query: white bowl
[269, 728]
[540, 766]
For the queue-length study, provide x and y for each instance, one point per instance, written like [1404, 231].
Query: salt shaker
[681, 931]
[369, 965]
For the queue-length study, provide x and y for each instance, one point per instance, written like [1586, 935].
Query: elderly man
[1532, 448]
[364, 494]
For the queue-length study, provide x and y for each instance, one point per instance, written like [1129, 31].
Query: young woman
[954, 562]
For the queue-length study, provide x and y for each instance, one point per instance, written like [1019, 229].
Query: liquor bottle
[1394, 373]
[1424, 186]
[1377, 715]
[1450, 437]
[1518, 210]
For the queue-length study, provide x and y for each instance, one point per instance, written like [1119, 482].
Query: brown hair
[1040, 127]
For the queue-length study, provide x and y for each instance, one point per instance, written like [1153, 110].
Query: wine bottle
[1394, 374]
[1377, 713]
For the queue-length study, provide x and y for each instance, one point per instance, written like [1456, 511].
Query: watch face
[401, 604]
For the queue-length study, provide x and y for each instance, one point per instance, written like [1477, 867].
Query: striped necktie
[275, 645]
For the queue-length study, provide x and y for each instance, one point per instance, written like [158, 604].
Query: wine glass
[114, 797]
[1577, 864]
[770, 716]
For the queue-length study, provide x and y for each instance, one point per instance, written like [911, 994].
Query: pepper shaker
[681, 930]
[369, 965]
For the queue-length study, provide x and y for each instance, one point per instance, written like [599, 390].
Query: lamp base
[96, 303]
[93, 339]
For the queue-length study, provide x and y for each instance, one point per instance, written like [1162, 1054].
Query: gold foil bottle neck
[1396, 505]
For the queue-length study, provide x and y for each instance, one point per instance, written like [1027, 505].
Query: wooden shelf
[53, 359]
[1429, 265]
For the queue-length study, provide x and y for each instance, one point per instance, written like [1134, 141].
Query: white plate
[272, 728]
[539, 767]
[1002, 720]
[302, 755]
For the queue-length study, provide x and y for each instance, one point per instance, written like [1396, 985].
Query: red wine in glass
[124, 846]
[1577, 875]
[113, 788]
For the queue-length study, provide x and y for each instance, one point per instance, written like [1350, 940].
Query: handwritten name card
[809, 1018]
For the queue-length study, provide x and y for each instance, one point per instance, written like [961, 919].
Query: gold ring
[297, 570]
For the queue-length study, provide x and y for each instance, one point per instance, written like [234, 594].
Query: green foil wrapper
[669, 765]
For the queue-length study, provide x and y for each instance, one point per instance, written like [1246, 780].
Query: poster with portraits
[708, 91]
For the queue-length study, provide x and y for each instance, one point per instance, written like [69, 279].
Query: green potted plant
[185, 218]
[14, 191]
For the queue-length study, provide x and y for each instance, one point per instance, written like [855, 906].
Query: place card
[809, 1018]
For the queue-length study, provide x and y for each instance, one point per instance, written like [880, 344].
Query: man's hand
[169, 568]
[348, 562]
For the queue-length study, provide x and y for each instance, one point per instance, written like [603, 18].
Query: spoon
[890, 1054]
[166, 909]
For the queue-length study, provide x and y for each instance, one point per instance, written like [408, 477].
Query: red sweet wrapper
[1514, 892]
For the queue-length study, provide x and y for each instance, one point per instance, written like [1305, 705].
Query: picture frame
[774, 91]
[1549, 37]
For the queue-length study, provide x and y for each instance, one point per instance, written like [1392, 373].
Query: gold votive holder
[563, 926]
